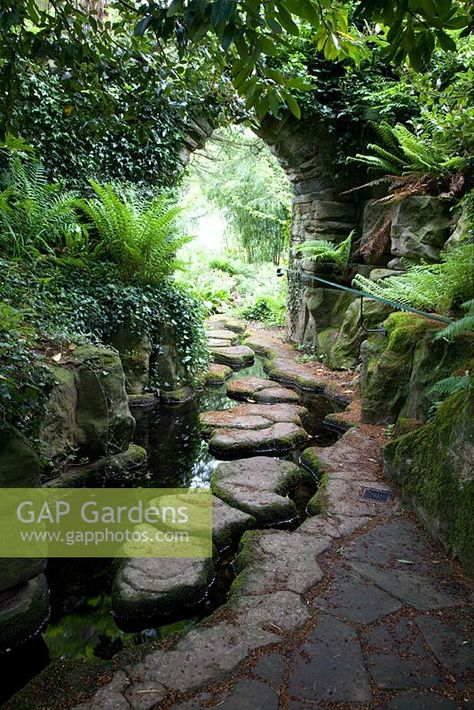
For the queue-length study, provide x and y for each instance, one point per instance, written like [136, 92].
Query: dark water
[82, 624]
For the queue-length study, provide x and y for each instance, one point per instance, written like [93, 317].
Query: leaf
[143, 25]
[222, 11]
[446, 42]
[293, 105]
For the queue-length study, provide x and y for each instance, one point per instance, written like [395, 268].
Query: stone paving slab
[239, 416]
[217, 374]
[330, 665]
[223, 334]
[356, 599]
[223, 322]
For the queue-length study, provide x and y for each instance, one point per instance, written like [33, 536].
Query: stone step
[223, 322]
[259, 486]
[236, 356]
[278, 438]
[242, 416]
[222, 334]
[217, 374]
[261, 391]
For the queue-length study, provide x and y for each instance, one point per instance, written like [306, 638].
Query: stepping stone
[330, 666]
[228, 524]
[259, 487]
[217, 375]
[270, 560]
[147, 591]
[24, 610]
[222, 322]
[261, 391]
[214, 343]
[391, 671]
[223, 335]
[355, 599]
[236, 356]
[242, 416]
[277, 438]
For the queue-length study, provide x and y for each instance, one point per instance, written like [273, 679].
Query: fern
[401, 152]
[431, 287]
[324, 250]
[141, 239]
[461, 326]
[34, 215]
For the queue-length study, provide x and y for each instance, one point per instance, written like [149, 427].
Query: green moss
[433, 467]
[311, 460]
[318, 503]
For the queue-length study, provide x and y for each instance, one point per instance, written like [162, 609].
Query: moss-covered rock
[433, 468]
[104, 422]
[135, 352]
[344, 354]
[126, 466]
[58, 430]
[23, 612]
[19, 468]
[399, 372]
[217, 375]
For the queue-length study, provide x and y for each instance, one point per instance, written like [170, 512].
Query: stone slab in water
[222, 322]
[236, 356]
[156, 588]
[217, 374]
[23, 612]
[228, 523]
[242, 416]
[261, 391]
[222, 334]
[215, 343]
[258, 486]
[278, 438]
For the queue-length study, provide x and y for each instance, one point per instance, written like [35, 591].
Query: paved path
[357, 608]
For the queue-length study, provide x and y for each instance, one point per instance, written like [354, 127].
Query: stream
[81, 623]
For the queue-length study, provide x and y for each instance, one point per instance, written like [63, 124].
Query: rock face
[135, 352]
[433, 468]
[399, 371]
[88, 408]
[261, 391]
[24, 601]
[344, 353]
[236, 356]
[260, 487]
[420, 227]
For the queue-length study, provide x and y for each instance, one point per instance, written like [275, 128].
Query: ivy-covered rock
[433, 468]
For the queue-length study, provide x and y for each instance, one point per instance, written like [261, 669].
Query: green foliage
[401, 152]
[141, 238]
[325, 251]
[269, 310]
[461, 326]
[35, 215]
[238, 174]
[433, 287]
[228, 266]
[66, 304]
[24, 383]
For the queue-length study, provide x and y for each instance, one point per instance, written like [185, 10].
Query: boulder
[236, 357]
[344, 354]
[19, 468]
[58, 430]
[420, 228]
[103, 418]
[135, 352]
[260, 487]
[24, 611]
